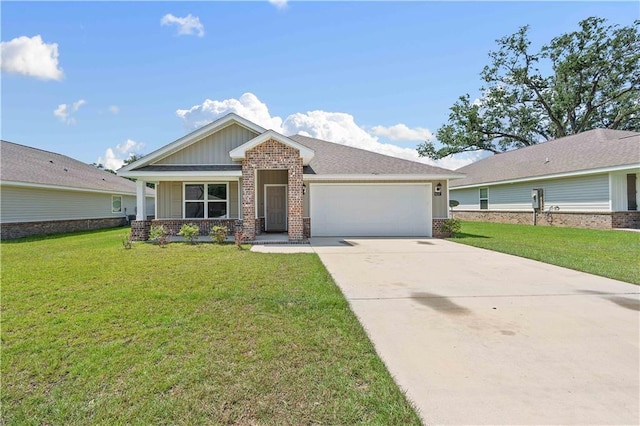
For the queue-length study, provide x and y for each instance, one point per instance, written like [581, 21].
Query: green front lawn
[612, 254]
[95, 334]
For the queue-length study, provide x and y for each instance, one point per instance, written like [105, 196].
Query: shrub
[219, 233]
[190, 232]
[452, 226]
[127, 243]
[159, 235]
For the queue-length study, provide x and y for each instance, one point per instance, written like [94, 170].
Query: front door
[275, 208]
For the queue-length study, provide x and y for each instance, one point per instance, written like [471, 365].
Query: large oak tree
[579, 81]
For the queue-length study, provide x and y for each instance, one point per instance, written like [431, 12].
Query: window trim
[481, 199]
[205, 201]
[113, 198]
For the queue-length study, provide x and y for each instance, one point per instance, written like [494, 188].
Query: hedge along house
[587, 180]
[43, 193]
[234, 171]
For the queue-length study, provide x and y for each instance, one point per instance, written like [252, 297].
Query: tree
[132, 158]
[579, 81]
[101, 167]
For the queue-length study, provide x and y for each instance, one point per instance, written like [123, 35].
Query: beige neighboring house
[42, 192]
[588, 180]
[235, 173]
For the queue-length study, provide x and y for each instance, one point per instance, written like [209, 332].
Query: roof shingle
[594, 149]
[20, 163]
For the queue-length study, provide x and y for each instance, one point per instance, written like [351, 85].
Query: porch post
[141, 202]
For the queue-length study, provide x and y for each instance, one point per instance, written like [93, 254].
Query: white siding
[20, 204]
[575, 194]
[214, 149]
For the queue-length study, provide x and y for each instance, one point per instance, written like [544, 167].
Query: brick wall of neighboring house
[10, 231]
[173, 225]
[272, 155]
[567, 219]
[626, 220]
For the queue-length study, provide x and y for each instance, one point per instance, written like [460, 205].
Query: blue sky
[378, 75]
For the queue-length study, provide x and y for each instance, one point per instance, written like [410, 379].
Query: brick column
[296, 225]
[248, 200]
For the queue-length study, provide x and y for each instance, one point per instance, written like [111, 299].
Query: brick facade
[437, 229]
[140, 230]
[604, 220]
[10, 231]
[173, 225]
[272, 155]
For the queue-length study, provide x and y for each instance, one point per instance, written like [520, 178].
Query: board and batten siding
[170, 199]
[20, 204]
[213, 149]
[575, 194]
[439, 204]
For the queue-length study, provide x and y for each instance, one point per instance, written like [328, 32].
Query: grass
[96, 334]
[612, 254]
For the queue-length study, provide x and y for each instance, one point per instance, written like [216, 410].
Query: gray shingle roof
[336, 159]
[20, 163]
[594, 149]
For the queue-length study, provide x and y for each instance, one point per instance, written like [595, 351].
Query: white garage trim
[352, 209]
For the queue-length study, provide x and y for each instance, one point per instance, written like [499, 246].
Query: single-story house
[46, 193]
[234, 172]
[585, 180]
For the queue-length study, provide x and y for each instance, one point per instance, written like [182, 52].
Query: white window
[116, 204]
[206, 200]
[484, 198]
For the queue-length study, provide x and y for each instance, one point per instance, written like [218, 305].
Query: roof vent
[546, 160]
[51, 161]
[65, 169]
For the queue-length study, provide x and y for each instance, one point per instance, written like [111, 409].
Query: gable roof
[239, 152]
[192, 138]
[26, 165]
[337, 159]
[591, 151]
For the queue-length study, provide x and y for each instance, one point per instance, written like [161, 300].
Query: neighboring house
[43, 192]
[233, 171]
[587, 180]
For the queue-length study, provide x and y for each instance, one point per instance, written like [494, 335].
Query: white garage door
[375, 210]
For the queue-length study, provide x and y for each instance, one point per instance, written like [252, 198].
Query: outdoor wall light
[304, 189]
[438, 189]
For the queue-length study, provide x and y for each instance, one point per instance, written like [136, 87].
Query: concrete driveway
[478, 337]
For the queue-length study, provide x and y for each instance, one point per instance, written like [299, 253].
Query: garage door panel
[370, 210]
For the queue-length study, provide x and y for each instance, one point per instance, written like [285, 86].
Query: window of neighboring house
[205, 200]
[116, 204]
[484, 198]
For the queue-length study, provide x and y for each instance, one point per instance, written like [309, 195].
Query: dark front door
[275, 208]
[632, 203]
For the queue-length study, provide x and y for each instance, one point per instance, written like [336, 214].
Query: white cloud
[30, 56]
[247, 106]
[114, 159]
[189, 25]
[280, 4]
[400, 132]
[130, 146]
[338, 127]
[64, 112]
[113, 109]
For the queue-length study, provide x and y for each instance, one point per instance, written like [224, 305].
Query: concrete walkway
[479, 337]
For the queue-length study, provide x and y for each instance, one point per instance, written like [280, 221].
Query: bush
[452, 226]
[127, 243]
[219, 233]
[159, 235]
[190, 232]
